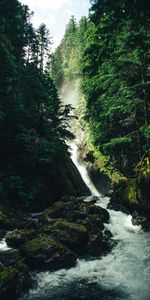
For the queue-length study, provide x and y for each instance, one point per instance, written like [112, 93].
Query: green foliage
[115, 80]
[33, 125]
[64, 64]
[110, 53]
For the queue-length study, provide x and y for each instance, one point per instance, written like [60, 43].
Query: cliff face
[66, 180]
[71, 182]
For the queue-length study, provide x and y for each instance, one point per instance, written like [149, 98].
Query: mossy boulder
[74, 211]
[73, 235]
[125, 196]
[13, 280]
[132, 195]
[95, 245]
[10, 257]
[45, 253]
[17, 238]
[74, 222]
[98, 211]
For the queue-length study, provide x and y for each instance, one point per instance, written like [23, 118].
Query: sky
[56, 14]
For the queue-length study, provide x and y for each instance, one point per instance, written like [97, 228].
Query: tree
[43, 43]
[115, 81]
[32, 121]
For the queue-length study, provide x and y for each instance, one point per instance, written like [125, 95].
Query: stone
[45, 253]
[17, 238]
[13, 281]
[73, 235]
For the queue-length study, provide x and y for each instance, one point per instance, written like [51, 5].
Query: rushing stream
[124, 273]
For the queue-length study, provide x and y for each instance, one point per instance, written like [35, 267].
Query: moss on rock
[46, 253]
[17, 238]
[132, 192]
[13, 280]
[73, 235]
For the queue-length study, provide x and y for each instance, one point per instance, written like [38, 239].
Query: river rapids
[124, 273]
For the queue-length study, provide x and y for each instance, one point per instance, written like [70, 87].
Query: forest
[112, 61]
[33, 121]
[75, 176]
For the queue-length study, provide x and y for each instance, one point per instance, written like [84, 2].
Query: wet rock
[45, 253]
[28, 223]
[64, 221]
[99, 242]
[14, 275]
[75, 212]
[107, 234]
[96, 245]
[99, 178]
[132, 194]
[10, 257]
[71, 182]
[139, 219]
[93, 222]
[73, 235]
[99, 211]
[13, 281]
[114, 205]
[17, 238]
[109, 193]
[89, 157]
[91, 199]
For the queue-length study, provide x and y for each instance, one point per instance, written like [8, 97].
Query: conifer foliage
[116, 80]
[32, 139]
[112, 58]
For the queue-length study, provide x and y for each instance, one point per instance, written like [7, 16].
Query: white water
[3, 245]
[122, 274]
[82, 169]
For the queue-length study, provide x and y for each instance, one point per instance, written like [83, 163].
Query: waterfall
[122, 274]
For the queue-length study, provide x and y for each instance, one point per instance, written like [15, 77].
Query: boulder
[99, 211]
[132, 194]
[45, 253]
[13, 281]
[74, 211]
[73, 235]
[14, 275]
[140, 219]
[17, 238]
[95, 246]
[77, 224]
[10, 257]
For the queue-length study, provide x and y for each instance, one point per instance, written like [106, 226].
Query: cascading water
[82, 169]
[3, 245]
[121, 274]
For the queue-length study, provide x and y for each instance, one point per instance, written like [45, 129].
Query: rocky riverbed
[54, 239]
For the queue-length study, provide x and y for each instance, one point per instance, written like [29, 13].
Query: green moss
[73, 226]
[22, 233]
[143, 169]
[103, 164]
[46, 215]
[7, 275]
[132, 191]
[16, 238]
[39, 243]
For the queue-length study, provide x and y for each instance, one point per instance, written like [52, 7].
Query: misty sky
[56, 13]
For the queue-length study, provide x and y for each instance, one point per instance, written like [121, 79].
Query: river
[124, 273]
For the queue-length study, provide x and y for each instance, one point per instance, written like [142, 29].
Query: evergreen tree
[32, 122]
[115, 67]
